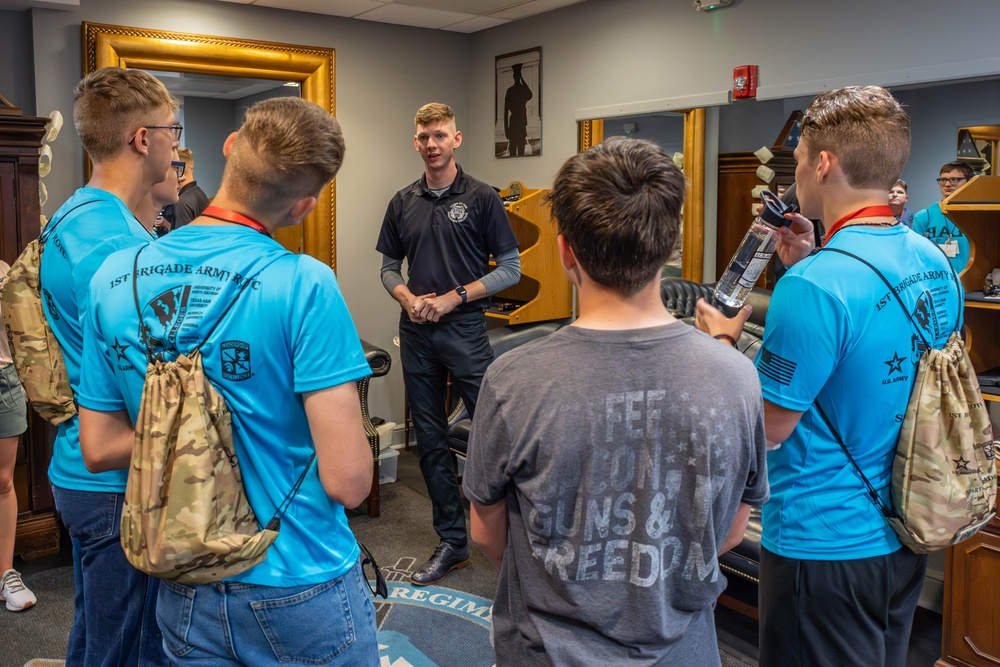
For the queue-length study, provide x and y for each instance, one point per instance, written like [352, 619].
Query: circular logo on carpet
[431, 626]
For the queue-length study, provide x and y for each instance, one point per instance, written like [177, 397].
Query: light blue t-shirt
[288, 333]
[932, 223]
[91, 225]
[836, 335]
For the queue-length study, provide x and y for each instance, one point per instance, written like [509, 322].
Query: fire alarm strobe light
[709, 5]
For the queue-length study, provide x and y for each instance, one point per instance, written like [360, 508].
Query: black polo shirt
[446, 241]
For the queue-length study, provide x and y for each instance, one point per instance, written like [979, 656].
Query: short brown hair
[866, 128]
[618, 205]
[187, 156]
[433, 112]
[287, 148]
[958, 165]
[111, 104]
[900, 181]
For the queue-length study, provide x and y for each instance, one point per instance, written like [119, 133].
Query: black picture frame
[789, 135]
[518, 108]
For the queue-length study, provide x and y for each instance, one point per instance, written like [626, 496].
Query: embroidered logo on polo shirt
[458, 212]
[235, 360]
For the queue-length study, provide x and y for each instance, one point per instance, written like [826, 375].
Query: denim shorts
[13, 407]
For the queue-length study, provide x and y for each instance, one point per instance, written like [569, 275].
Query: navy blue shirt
[446, 241]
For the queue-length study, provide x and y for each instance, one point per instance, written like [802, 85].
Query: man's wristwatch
[462, 293]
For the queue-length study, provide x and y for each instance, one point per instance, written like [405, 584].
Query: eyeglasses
[371, 570]
[179, 167]
[175, 129]
[951, 181]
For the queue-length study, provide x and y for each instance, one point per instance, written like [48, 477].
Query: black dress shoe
[447, 557]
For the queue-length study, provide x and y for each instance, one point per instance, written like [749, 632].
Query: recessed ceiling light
[292, 84]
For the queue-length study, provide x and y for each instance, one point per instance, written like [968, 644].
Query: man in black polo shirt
[446, 225]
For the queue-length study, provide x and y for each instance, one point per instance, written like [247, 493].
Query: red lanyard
[866, 212]
[226, 215]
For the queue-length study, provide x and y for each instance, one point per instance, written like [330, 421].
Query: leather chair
[380, 361]
[502, 339]
[742, 561]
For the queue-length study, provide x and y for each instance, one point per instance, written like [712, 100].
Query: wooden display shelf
[544, 291]
[971, 631]
[975, 207]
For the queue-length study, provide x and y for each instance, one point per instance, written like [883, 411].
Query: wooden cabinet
[20, 140]
[737, 179]
[971, 635]
[971, 632]
[544, 292]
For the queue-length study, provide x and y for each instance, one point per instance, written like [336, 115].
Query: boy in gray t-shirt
[611, 461]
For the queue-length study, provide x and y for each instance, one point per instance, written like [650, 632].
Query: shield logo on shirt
[458, 212]
[235, 360]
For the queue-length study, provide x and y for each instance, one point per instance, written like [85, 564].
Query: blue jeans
[228, 623]
[114, 622]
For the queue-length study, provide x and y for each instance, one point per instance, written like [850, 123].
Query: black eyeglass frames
[175, 129]
[951, 181]
[372, 571]
[179, 167]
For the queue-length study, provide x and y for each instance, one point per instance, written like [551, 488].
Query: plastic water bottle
[754, 253]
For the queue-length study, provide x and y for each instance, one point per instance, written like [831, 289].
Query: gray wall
[666, 130]
[936, 113]
[384, 73]
[616, 52]
[207, 123]
[17, 82]
[599, 53]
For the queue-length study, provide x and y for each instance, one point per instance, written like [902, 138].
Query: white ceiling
[453, 15]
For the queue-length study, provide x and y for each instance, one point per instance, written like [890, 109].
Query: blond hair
[287, 148]
[432, 113]
[866, 128]
[187, 156]
[111, 104]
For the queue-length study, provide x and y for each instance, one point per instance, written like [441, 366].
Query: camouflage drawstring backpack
[34, 348]
[186, 515]
[944, 479]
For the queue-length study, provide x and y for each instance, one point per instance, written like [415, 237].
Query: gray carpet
[400, 540]
[43, 630]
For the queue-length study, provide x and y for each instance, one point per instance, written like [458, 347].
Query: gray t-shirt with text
[623, 456]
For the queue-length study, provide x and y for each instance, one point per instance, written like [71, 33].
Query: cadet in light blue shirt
[836, 585]
[286, 358]
[935, 225]
[126, 121]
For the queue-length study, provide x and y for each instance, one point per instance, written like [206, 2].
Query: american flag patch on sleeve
[776, 367]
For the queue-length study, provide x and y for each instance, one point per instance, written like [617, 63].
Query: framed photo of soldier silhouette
[518, 121]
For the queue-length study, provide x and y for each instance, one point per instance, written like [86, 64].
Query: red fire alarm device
[744, 81]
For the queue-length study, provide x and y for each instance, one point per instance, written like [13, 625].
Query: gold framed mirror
[591, 132]
[312, 67]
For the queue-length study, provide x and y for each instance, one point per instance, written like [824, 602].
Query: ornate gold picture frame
[312, 67]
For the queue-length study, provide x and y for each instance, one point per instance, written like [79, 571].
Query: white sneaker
[14, 592]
